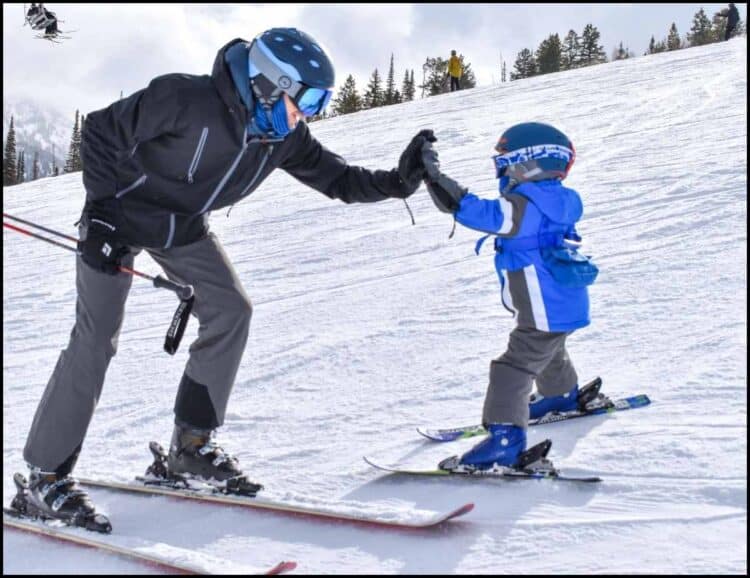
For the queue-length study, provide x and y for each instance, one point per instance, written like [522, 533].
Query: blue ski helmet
[288, 60]
[533, 151]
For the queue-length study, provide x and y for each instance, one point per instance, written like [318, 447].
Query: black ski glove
[410, 167]
[445, 192]
[98, 246]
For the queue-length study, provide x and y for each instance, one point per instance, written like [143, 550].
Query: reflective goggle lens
[313, 100]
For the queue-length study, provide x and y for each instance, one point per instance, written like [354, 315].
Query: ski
[605, 407]
[337, 512]
[59, 531]
[57, 38]
[533, 464]
[509, 474]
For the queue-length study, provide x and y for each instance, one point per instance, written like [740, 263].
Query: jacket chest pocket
[197, 155]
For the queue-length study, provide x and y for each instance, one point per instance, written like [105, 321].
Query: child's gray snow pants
[531, 354]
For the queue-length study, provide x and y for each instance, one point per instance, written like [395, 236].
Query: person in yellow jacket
[454, 71]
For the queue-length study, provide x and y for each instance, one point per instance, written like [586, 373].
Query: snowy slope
[366, 326]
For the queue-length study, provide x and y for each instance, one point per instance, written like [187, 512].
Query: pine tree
[21, 169]
[407, 86]
[55, 168]
[700, 33]
[673, 38]
[468, 80]
[621, 53]
[548, 55]
[570, 52]
[591, 51]
[525, 65]
[656, 47]
[373, 96]
[347, 100]
[73, 162]
[436, 79]
[503, 73]
[36, 168]
[389, 96]
[9, 157]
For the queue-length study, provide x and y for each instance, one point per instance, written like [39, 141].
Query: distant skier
[541, 282]
[51, 27]
[454, 71]
[154, 165]
[40, 18]
[733, 17]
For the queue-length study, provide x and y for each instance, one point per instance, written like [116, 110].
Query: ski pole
[184, 292]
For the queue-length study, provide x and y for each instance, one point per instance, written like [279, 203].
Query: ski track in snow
[365, 327]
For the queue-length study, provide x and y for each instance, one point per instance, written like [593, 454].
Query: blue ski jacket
[529, 217]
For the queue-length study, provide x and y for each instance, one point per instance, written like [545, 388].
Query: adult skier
[733, 17]
[543, 282]
[154, 165]
[454, 71]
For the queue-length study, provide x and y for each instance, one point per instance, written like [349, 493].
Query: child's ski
[451, 434]
[532, 464]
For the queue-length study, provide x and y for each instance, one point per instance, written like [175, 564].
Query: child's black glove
[99, 248]
[445, 192]
[410, 167]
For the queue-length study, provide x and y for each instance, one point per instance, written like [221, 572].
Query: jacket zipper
[170, 236]
[197, 155]
[223, 181]
[260, 169]
[137, 183]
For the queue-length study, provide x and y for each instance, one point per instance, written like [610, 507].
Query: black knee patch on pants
[194, 406]
[67, 466]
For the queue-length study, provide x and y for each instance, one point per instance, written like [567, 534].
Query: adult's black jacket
[155, 163]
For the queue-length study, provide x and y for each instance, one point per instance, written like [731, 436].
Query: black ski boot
[48, 495]
[194, 455]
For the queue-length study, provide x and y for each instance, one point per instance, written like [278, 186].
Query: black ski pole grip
[184, 292]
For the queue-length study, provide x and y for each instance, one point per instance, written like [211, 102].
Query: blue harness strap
[528, 243]
[509, 244]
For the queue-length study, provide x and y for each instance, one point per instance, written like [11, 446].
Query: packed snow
[366, 326]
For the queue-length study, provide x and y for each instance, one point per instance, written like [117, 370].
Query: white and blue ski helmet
[289, 60]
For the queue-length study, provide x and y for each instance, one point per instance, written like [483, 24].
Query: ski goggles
[522, 155]
[309, 100]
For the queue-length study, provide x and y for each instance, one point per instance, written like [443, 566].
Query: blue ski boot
[586, 398]
[540, 406]
[502, 446]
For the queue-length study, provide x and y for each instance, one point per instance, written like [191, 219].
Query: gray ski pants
[531, 354]
[223, 310]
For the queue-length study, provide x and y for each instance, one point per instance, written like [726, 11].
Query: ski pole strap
[177, 327]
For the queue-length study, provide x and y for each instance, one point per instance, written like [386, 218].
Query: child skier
[543, 280]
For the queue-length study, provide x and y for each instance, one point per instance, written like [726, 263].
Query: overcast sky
[121, 47]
